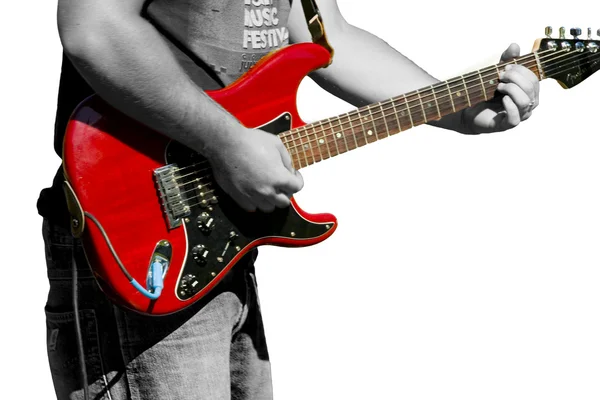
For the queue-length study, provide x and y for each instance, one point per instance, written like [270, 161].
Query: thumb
[511, 52]
[286, 158]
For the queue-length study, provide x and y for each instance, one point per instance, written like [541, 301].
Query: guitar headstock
[569, 61]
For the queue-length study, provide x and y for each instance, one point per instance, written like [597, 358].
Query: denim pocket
[64, 357]
[60, 247]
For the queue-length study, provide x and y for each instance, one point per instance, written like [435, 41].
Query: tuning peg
[575, 32]
[561, 32]
[598, 32]
[589, 33]
[548, 31]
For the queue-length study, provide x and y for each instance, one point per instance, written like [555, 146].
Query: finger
[280, 200]
[523, 78]
[286, 158]
[513, 116]
[261, 202]
[266, 206]
[511, 52]
[517, 95]
[244, 203]
[290, 184]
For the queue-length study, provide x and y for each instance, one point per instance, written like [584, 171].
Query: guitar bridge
[174, 202]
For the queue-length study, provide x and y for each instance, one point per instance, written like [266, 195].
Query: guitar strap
[315, 24]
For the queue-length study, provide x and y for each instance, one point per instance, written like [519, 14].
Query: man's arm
[126, 61]
[366, 70]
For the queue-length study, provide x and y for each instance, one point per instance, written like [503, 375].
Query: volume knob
[205, 223]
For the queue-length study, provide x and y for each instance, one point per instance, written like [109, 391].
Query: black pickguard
[231, 228]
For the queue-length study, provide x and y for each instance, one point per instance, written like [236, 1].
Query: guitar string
[323, 129]
[384, 117]
[199, 179]
[407, 107]
[289, 139]
[420, 99]
[381, 116]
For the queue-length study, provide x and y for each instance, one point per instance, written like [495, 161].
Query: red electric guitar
[157, 230]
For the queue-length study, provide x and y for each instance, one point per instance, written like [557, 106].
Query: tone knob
[200, 254]
[188, 284]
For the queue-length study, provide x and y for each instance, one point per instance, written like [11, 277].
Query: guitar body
[111, 164]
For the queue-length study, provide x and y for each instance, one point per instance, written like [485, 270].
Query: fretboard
[324, 139]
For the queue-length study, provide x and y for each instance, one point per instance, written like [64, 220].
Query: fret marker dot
[366, 118]
[492, 82]
[369, 132]
[321, 141]
[429, 105]
[458, 94]
[306, 146]
[339, 135]
[402, 114]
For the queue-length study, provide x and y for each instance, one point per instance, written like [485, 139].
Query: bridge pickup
[172, 194]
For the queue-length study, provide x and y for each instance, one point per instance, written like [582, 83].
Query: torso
[229, 36]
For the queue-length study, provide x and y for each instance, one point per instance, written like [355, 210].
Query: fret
[430, 110]
[412, 125]
[364, 119]
[466, 90]
[490, 82]
[497, 70]
[387, 129]
[460, 101]
[450, 95]
[374, 131]
[437, 105]
[352, 129]
[295, 149]
[304, 146]
[362, 124]
[482, 85]
[393, 101]
[475, 89]
[317, 145]
[334, 136]
[323, 139]
[540, 73]
[343, 130]
[422, 108]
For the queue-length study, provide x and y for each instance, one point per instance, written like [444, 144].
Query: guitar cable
[156, 285]
[156, 269]
[80, 351]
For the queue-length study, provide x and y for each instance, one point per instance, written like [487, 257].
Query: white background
[464, 267]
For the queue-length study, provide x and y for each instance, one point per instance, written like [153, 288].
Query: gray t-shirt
[229, 36]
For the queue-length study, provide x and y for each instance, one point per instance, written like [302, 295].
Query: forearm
[127, 62]
[365, 70]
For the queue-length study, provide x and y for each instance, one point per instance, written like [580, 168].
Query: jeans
[215, 349]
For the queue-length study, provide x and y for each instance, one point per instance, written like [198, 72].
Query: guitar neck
[324, 139]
